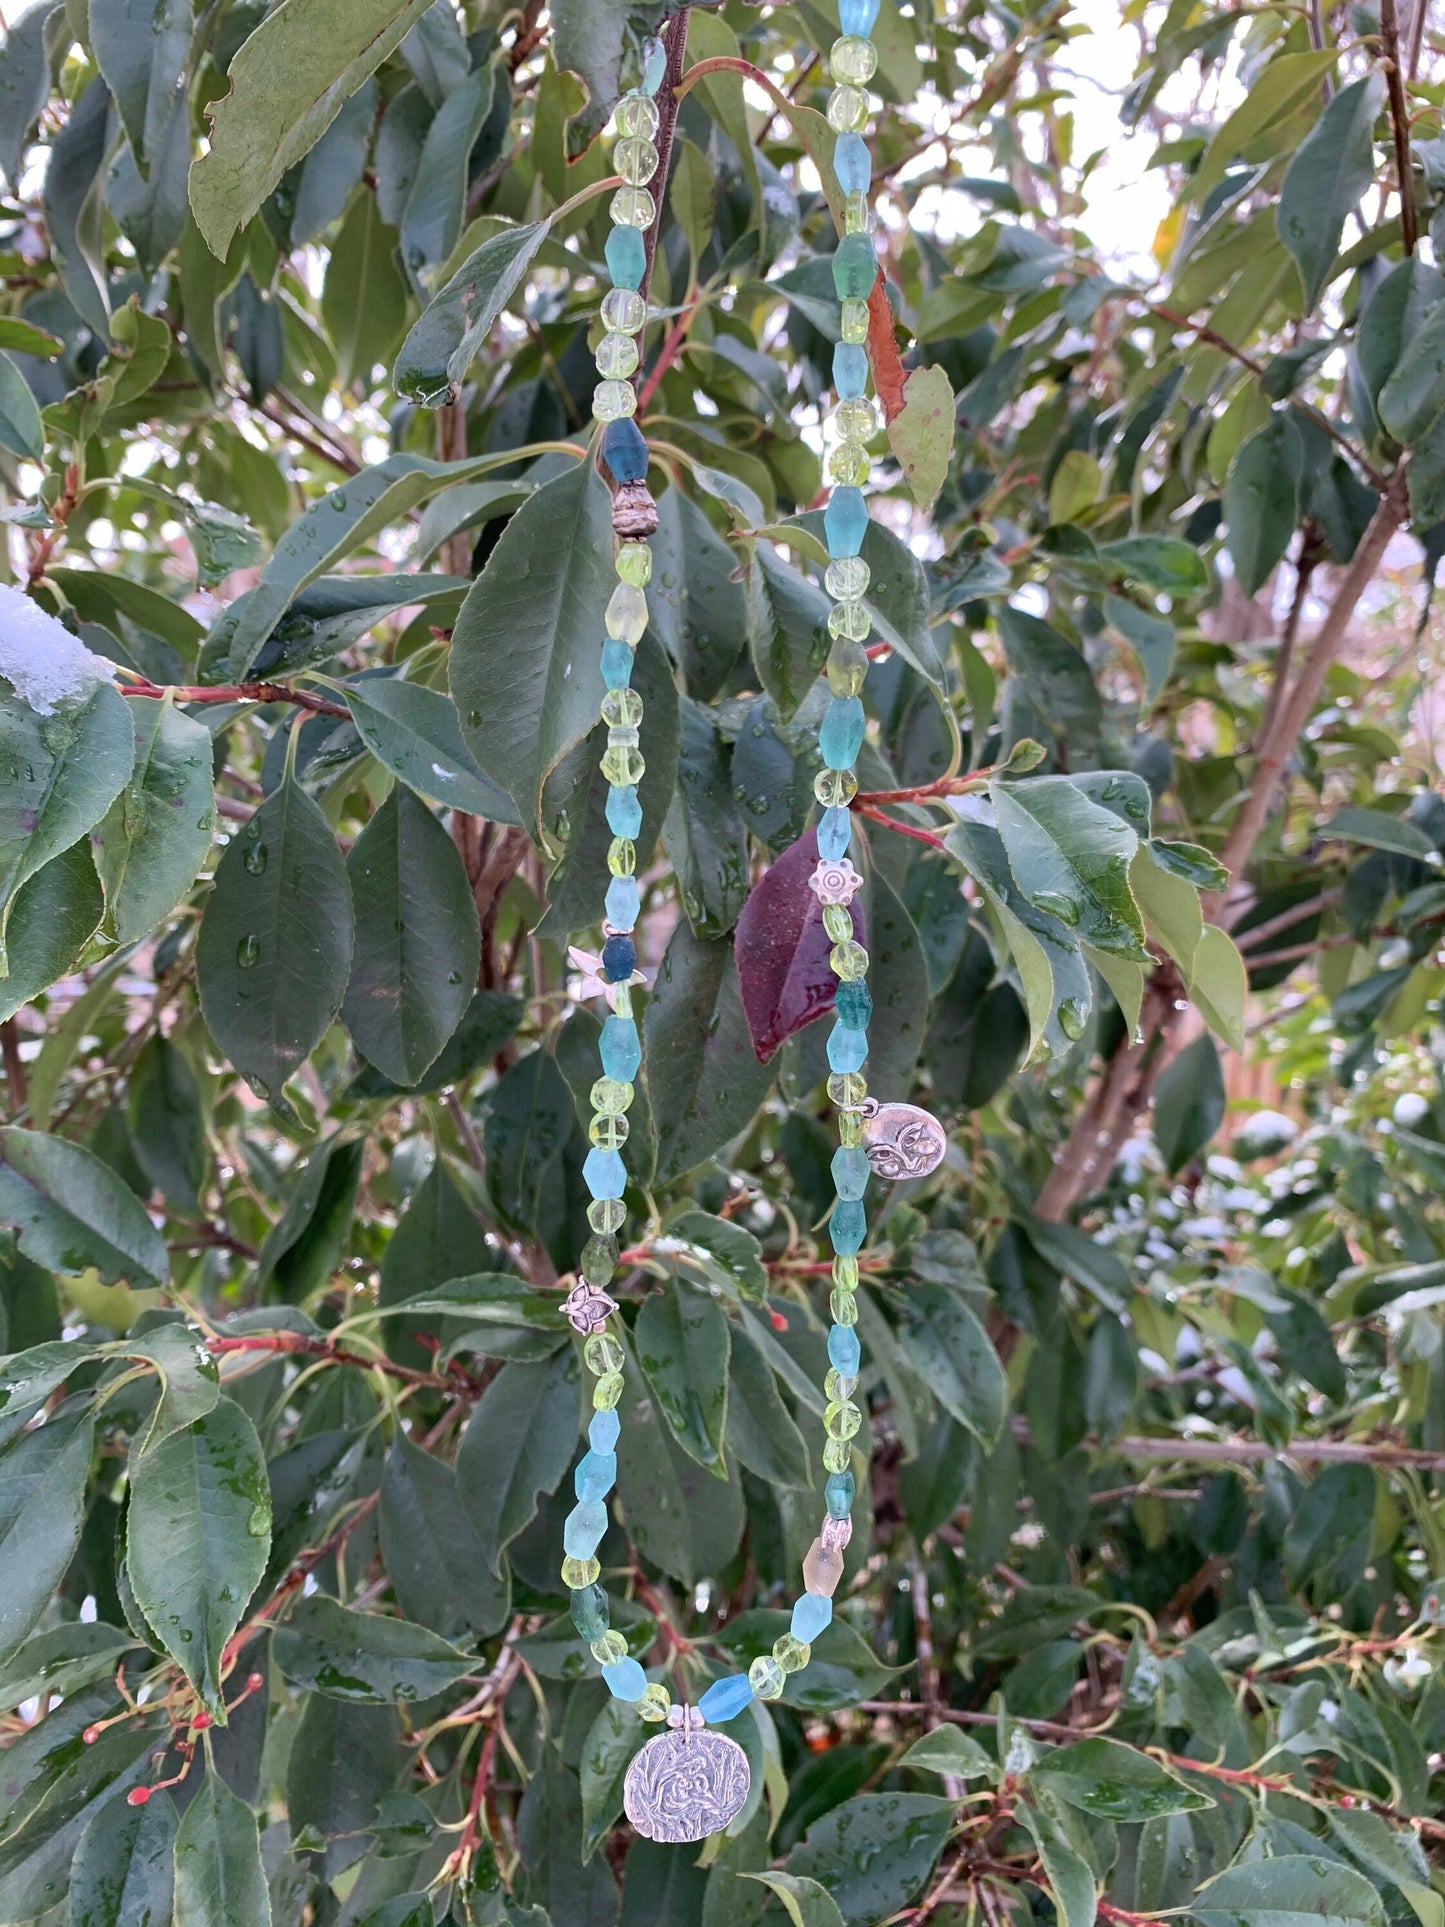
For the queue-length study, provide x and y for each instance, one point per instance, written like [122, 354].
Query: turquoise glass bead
[835, 833]
[605, 1175]
[847, 1049]
[857, 16]
[623, 903]
[591, 1614]
[624, 812]
[811, 1616]
[845, 521]
[853, 164]
[621, 1049]
[847, 1227]
[725, 1698]
[839, 1494]
[854, 1004]
[583, 1529]
[850, 371]
[850, 1171]
[855, 267]
[617, 661]
[654, 60]
[844, 1352]
[625, 1679]
[841, 736]
[626, 253]
[604, 1431]
[595, 1476]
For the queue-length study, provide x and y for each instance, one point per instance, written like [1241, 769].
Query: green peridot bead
[622, 1000]
[847, 1089]
[622, 708]
[633, 207]
[766, 1677]
[623, 767]
[855, 212]
[850, 1129]
[580, 1573]
[852, 60]
[635, 158]
[608, 1131]
[654, 1704]
[609, 1647]
[849, 622]
[636, 114]
[845, 1269]
[837, 1454]
[848, 465]
[617, 357]
[837, 922]
[613, 400]
[622, 857]
[791, 1654]
[847, 112]
[599, 1257]
[848, 578]
[856, 419]
[848, 961]
[607, 1214]
[852, 323]
[611, 1094]
[841, 1421]
[602, 1355]
[634, 562]
[835, 788]
[838, 1385]
[626, 614]
[847, 667]
[624, 311]
[607, 1392]
[844, 1307]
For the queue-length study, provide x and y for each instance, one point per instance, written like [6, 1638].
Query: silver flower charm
[835, 882]
[593, 983]
[588, 1308]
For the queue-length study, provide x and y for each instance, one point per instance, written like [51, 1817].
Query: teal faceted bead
[725, 1698]
[835, 833]
[595, 1476]
[624, 812]
[621, 1049]
[583, 1528]
[847, 1227]
[623, 902]
[605, 1175]
[626, 253]
[591, 1614]
[854, 1004]
[604, 1431]
[850, 1171]
[857, 16]
[841, 736]
[855, 267]
[847, 1049]
[845, 522]
[617, 662]
[839, 1494]
[853, 164]
[654, 61]
[624, 450]
[625, 1679]
[845, 1354]
[850, 370]
[812, 1615]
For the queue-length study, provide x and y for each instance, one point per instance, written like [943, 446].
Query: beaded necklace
[691, 1780]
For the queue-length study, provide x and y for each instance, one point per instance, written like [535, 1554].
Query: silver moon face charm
[902, 1141]
[683, 1787]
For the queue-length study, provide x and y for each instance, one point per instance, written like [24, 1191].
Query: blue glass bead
[583, 1528]
[844, 1352]
[841, 736]
[850, 1170]
[621, 1052]
[725, 1698]
[624, 812]
[847, 1049]
[654, 61]
[850, 370]
[845, 521]
[625, 1679]
[855, 267]
[835, 833]
[605, 1175]
[854, 1003]
[624, 450]
[626, 253]
[623, 903]
[619, 959]
[839, 1494]
[595, 1476]
[591, 1613]
[617, 661]
[811, 1616]
[605, 1430]
[857, 16]
[847, 1227]
[853, 164]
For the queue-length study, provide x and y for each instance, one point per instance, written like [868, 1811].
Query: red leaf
[782, 950]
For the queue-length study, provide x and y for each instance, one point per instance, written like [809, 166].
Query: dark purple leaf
[782, 950]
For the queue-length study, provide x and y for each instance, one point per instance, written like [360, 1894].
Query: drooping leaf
[141, 48]
[1070, 1878]
[705, 835]
[413, 731]
[439, 348]
[1054, 674]
[70, 1211]
[787, 627]
[1328, 173]
[1189, 1103]
[42, 1505]
[784, 977]
[156, 834]
[1070, 857]
[123, 1873]
[951, 1352]
[436, 207]
[218, 1872]
[1261, 501]
[679, 1515]
[55, 915]
[21, 429]
[167, 1122]
[921, 433]
[517, 1445]
[612, 1740]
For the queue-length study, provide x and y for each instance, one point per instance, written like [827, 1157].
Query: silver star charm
[588, 1308]
[593, 983]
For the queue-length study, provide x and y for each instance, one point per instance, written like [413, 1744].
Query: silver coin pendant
[684, 1786]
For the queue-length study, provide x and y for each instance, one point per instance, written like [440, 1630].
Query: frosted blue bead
[604, 1431]
[847, 1227]
[624, 450]
[621, 1052]
[853, 164]
[654, 61]
[844, 1351]
[617, 663]
[725, 1698]
[845, 521]
[811, 1616]
[839, 1493]
[857, 16]
[835, 833]
[850, 1170]
[625, 1679]
[626, 253]
[605, 1175]
[595, 1476]
[583, 1528]
[841, 736]
[850, 370]
[623, 903]
[854, 1003]
[847, 1048]
[624, 812]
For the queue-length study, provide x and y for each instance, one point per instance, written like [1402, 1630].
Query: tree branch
[240, 692]
[1399, 123]
[674, 39]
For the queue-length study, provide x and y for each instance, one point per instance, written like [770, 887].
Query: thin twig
[240, 692]
[1399, 123]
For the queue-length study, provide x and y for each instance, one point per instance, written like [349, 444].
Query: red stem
[240, 692]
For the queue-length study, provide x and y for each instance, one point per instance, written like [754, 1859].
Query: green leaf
[274, 951]
[72, 1212]
[1329, 173]
[413, 732]
[219, 1877]
[1115, 1782]
[1261, 501]
[42, 1504]
[706, 834]
[807, 1904]
[55, 915]
[704, 1083]
[1070, 1878]
[921, 433]
[1189, 1104]
[343, 1758]
[946, 1750]
[697, 611]
[1070, 857]
[72, 207]
[1390, 321]
[437, 352]
[1219, 985]
[524, 663]
[1292, 1890]
[787, 627]
[25, 58]
[1413, 398]
[21, 429]
[438, 1566]
[530, 1117]
[678, 1514]
[157, 833]
[189, 1381]
[1160, 562]
[683, 1346]
[431, 224]
[1077, 483]
[289, 81]
[166, 1121]
[123, 1874]
[517, 1445]
[1381, 832]
[607, 1752]
[68, 770]
[874, 1853]
[141, 48]
[1150, 637]
[198, 1529]
[418, 942]
[1054, 675]
[322, 1647]
[761, 1433]
[364, 297]
[951, 1352]
[1278, 91]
